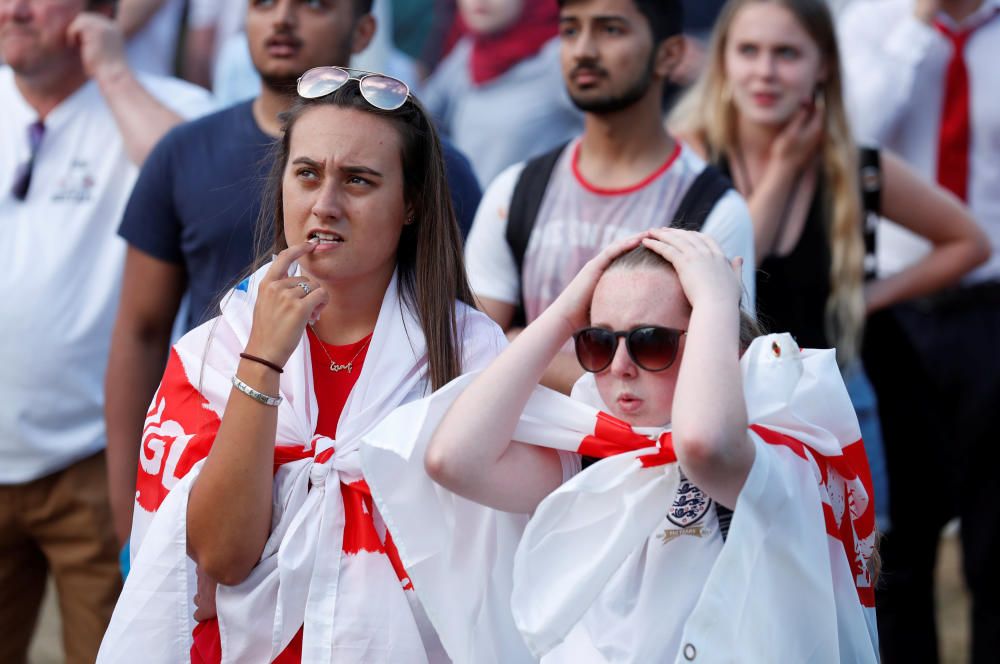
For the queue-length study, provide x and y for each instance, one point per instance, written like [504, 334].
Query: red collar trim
[600, 191]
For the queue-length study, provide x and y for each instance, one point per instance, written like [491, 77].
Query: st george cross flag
[790, 584]
[327, 567]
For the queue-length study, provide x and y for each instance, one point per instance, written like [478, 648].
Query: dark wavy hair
[665, 17]
[429, 255]
[362, 7]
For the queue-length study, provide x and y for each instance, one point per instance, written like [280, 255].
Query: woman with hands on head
[638, 283]
[769, 111]
[626, 561]
[250, 475]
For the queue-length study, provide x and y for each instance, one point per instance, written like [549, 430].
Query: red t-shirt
[332, 389]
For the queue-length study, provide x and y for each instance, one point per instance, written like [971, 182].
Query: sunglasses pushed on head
[381, 91]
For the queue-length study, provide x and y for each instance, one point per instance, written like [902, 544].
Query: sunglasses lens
[321, 81]
[384, 92]
[595, 348]
[653, 348]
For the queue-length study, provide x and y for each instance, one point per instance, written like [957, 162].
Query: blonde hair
[707, 114]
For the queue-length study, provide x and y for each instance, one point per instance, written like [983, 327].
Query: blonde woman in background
[769, 112]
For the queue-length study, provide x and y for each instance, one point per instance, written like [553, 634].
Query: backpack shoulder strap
[706, 190]
[525, 201]
[870, 169]
[870, 173]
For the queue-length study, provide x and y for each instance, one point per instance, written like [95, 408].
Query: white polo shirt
[61, 262]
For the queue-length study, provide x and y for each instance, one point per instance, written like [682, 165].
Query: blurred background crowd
[857, 143]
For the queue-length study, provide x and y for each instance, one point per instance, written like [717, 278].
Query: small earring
[410, 220]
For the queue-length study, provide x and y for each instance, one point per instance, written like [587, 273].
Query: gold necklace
[334, 367]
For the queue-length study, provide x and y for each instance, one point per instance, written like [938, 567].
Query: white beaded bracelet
[259, 397]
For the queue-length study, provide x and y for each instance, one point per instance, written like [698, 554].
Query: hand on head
[101, 42]
[573, 304]
[285, 305]
[706, 275]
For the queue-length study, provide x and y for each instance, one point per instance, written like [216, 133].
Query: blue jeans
[866, 406]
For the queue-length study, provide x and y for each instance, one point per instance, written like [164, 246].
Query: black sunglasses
[651, 347]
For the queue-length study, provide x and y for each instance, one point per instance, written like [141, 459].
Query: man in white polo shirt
[76, 122]
[921, 79]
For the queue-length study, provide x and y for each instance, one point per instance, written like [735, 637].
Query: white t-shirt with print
[62, 264]
[577, 220]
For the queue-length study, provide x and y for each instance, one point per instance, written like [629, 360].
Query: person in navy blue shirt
[190, 221]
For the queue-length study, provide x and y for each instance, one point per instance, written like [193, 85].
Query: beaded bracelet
[259, 397]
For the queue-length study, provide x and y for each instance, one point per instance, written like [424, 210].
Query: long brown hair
[429, 260]
[708, 114]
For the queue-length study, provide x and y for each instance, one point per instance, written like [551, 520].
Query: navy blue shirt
[198, 198]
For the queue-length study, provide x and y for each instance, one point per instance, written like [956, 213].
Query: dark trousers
[935, 366]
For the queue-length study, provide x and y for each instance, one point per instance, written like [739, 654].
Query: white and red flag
[329, 566]
[790, 584]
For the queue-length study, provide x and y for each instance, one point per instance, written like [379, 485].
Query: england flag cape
[344, 588]
[791, 583]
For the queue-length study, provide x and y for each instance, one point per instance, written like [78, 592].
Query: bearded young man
[624, 174]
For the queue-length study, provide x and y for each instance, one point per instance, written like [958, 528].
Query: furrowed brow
[361, 170]
[306, 161]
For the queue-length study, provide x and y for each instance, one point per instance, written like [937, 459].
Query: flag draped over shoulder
[790, 584]
[345, 588]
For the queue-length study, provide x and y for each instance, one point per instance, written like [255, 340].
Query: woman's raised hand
[573, 304]
[706, 275]
[284, 306]
[799, 141]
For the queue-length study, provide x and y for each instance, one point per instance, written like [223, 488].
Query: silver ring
[304, 286]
